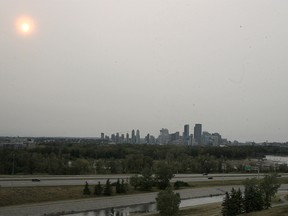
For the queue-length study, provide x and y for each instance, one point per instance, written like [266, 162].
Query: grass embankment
[26, 195]
[215, 210]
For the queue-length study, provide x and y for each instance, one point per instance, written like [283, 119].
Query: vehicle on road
[210, 177]
[35, 180]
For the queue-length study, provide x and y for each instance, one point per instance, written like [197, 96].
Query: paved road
[92, 180]
[106, 202]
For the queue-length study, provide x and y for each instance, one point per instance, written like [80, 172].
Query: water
[149, 207]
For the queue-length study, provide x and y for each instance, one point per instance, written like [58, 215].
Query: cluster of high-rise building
[186, 138]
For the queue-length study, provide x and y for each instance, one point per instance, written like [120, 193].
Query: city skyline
[75, 68]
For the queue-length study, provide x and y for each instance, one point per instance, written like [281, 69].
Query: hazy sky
[92, 66]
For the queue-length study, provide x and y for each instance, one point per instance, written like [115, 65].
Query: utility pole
[13, 164]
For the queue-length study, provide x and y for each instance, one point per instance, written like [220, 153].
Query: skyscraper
[102, 136]
[147, 139]
[133, 137]
[138, 137]
[127, 138]
[186, 134]
[198, 133]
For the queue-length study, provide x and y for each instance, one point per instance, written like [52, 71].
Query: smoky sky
[109, 66]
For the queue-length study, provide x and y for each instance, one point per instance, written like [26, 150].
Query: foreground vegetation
[258, 194]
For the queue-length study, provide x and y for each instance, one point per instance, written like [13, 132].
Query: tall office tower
[198, 133]
[117, 138]
[127, 138]
[113, 138]
[102, 136]
[133, 137]
[122, 138]
[186, 134]
[191, 140]
[138, 137]
[147, 139]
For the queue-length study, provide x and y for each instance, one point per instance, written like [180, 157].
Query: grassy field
[25, 195]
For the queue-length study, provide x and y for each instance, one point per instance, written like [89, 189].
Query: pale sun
[25, 25]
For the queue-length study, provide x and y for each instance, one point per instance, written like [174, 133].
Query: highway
[26, 181]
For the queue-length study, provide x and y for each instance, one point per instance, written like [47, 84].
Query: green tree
[236, 202]
[135, 181]
[146, 181]
[239, 200]
[269, 186]
[123, 187]
[118, 186]
[98, 189]
[108, 188]
[86, 190]
[232, 203]
[253, 199]
[168, 202]
[164, 174]
[226, 206]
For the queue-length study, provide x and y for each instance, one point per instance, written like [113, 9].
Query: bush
[179, 184]
[86, 190]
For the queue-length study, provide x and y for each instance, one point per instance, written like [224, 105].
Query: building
[137, 137]
[117, 138]
[186, 134]
[122, 139]
[147, 139]
[127, 138]
[219, 138]
[198, 133]
[152, 140]
[176, 139]
[164, 137]
[133, 137]
[113, 138]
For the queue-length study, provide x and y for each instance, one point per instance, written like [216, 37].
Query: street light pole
[13, 164]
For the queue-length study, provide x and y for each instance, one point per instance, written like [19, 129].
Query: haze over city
[79, 68]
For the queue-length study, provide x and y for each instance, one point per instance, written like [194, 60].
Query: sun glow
[25, 25]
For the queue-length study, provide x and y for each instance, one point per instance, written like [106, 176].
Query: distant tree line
[88, 158]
